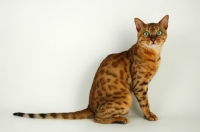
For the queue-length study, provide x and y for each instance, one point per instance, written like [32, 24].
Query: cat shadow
[135, 110]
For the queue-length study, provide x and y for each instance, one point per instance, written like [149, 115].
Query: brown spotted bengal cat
[119, 75]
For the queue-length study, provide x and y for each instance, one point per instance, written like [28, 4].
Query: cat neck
[152, 54]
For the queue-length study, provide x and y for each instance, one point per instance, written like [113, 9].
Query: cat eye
[146, 33]
[159, 33]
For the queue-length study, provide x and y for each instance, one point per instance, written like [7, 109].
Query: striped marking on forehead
[152, 26]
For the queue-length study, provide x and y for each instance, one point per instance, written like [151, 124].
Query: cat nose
[153, 38]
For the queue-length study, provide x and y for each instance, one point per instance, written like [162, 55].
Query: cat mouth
[152, 42]
[153, 45]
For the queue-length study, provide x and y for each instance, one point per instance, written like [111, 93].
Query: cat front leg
[140, 91]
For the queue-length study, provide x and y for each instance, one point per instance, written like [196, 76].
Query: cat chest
[143, 67]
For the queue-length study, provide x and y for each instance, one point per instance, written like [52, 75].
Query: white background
[50, 50]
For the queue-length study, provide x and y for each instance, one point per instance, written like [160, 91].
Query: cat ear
[138, 23]
[164, 22]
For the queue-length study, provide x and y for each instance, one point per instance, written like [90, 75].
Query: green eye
[159, 33]
[146, 33]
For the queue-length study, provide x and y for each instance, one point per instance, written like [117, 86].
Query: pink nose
[153, 38]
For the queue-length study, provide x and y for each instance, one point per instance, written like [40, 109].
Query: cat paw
[151, 117]
[121, 120]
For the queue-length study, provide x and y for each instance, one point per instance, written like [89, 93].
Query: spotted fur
[118, 76]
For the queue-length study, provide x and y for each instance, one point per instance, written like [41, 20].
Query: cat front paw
[151, 117]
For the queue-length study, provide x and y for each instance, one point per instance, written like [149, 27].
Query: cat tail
[83, 114]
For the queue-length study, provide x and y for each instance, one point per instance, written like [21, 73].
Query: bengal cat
[119, 75]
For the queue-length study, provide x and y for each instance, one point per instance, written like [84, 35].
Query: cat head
[152, 35]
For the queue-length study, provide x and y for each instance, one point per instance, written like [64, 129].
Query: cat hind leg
[120, 120]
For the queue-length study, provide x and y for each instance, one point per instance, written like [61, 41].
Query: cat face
[152, 35]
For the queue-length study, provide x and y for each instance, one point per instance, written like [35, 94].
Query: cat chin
[153, 46]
